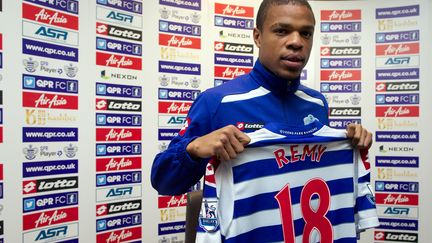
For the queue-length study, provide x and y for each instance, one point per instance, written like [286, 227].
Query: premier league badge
[208, 216]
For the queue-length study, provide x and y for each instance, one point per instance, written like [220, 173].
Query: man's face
[285, 41]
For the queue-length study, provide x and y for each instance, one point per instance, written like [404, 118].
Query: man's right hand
[224, 143]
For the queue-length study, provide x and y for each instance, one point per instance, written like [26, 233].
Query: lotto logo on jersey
[120, 235]
[118, 164]
[117, 207]
[118, 61]
[230, 72]
[396, 199]
[397, 49]
[179, 41]
[249, 126]
[50, 101]
[341, 15]
[340, 75]
[172, 201]
[118, 134]
[50, 17]
[54, 184]
[174, 107]
[397, 111]
[234, 10]
[46, 218]
[397, 86]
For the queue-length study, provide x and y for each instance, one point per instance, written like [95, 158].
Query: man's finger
[242, 137]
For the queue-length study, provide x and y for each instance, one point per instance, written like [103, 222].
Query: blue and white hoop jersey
[290, 183]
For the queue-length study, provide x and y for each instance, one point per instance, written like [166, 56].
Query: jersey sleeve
[365, 208]
[174, 171]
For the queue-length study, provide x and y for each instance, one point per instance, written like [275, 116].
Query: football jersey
[290, 184]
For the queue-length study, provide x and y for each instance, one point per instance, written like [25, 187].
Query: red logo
[101, 104]
[48, 16]
[1, 134]
[396, 199]
[219, 46]
[379, 235]
[116, 164]
[340, 75]
[172, 201]
[397, 49]
[118, 134]
[1, 41]
[58, 216]
[234, 10]
[185, 127]
[29, 187]
[333, 15]
[101, 29]
[230, 72]
[118, 61]
[179, 41]
[50, 101]
[121, 235]
[174, 107]
[101, 210]
[397, 111]
[1, 172]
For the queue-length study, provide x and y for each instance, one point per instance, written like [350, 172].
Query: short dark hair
[266, 4]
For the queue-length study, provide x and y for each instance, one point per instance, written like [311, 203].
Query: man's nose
[294, 41]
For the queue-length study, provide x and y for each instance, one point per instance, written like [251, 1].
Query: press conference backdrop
[90, 91]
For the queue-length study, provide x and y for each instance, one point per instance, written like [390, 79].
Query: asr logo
[120, 17]
[52, 33]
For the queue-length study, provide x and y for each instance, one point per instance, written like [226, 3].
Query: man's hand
[224, 143]
[360, 137]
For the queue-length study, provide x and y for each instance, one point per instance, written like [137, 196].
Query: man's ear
[257, 37]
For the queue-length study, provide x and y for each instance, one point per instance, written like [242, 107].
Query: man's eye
[280, 31]
[307, 34]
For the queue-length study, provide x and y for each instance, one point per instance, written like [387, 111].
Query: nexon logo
[346, 111]
[341, 51]
[233, 47]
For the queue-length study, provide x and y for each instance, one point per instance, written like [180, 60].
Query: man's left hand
[360, 137]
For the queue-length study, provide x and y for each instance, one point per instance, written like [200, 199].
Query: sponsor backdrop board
[90, 91]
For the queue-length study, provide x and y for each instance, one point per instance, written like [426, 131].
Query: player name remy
[314, 153]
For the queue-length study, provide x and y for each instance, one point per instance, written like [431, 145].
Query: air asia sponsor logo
[328, 27]
[233, 47]
[398, 211]
[337, 15]
[117, 76]
[187, 4]
[178, 94]
[230, 72]
[167, 134]
[45, 117]
[118, 61]
[340, 39]
[118, 90]
[228, 22]
[174, 107]
[234, 10]
[126, 5]
[117, 193]
[46, 185]
[234, 60]
[396, 136]
[398, 224]
[166, 80]
[395, 236]
[345, 111]
[118, 222]
[54, 233]
[397, 86]
[118, 105]
[49, 84]
[43, 66]
[70, 6]
[31, 204]
[179, 41]
[52, 217]
[171, 228]
[179, 28]
[397, 111]
[172, 201]
[49, 134]
[341, 51]
[118, 178]
[109, 149]
[179, 68]
[50, 101]
[343, 100]
[118, 164]
[171, 121]
[396, 12]
[118, 46]
[172, 214]
[340, 62]
[385, 149]
[47, 50]
[342, 123]
[49, 33]
[402, 99]
[119, 32]
[43, 168]
[117, 207]
[398, 74]
[403, 61]
[118, 134]
[120, 235]
[403, 36]
[123, 120]
[233, 35]
[249, 126]
[48, 16]
[118, 17]
[396, 123]
[340, 75]
[396, 199]
[396, 186]
[397, 49]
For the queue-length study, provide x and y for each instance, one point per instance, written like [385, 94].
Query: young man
[271, 92]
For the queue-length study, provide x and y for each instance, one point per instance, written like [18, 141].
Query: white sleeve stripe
[309, 98]
[246, 96]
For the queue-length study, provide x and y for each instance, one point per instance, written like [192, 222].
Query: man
[270, 92]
